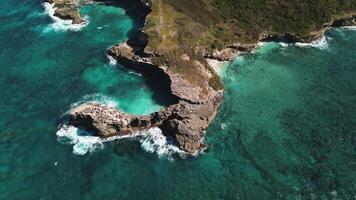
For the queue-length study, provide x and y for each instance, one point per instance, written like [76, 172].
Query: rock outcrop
[67, 10]
[184, 122]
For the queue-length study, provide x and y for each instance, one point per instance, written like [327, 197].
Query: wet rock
[67, 10]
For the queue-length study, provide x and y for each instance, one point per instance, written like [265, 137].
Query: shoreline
[218, 66]
[185, 121]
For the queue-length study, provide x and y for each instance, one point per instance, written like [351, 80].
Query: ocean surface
[286, 129]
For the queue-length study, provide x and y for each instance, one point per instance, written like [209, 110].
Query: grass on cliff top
[301, 17]
[177, 27]
[173, 29]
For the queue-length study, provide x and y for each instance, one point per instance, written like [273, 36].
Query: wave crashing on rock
[62, 24]
[152, 141]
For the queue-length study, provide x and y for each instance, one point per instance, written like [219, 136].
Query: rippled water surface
[286, 129]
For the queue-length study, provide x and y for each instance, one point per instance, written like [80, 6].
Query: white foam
[112, 61]
[152, 141]
[82, 141]
[260, 44]
[96, 98]
[223, 126]
[283, 44]
[60, 24]
[349, 28]
[135, 73]
[321, 43]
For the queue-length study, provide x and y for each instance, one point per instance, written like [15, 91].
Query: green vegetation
[298, 17]
[182, 31]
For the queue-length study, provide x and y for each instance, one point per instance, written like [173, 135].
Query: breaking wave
[152, 141]
[82, 141]
[349, 28]
[60, 24]
[321, 43]
[97, 98]
[113, 62]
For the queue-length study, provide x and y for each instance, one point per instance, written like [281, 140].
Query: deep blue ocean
[286, 129]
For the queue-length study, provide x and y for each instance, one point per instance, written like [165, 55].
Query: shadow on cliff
[155, 78]
[136, 10]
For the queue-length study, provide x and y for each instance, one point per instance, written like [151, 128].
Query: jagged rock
[67, 10]
[103, 120]
[69, 13]
[121, 51]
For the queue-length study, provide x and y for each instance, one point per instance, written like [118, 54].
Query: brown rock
[121, 51]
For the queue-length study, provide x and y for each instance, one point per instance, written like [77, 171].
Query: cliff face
[174, 42]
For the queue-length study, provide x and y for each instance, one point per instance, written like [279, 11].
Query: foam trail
[135, 73]
[60, 24]
[321, 43]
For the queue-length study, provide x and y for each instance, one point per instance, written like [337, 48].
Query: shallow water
[286, 129]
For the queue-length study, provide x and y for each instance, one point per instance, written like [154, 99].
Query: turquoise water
[286, 129]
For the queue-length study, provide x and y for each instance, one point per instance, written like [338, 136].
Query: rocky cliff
[174, 41]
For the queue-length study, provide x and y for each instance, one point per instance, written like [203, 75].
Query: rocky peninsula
[174, 40]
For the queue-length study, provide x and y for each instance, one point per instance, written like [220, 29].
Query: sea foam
[112, 61]
[60, 24]
[321, 43]
[349, 28]
[96, 98]
[152, 141]
[81, 140]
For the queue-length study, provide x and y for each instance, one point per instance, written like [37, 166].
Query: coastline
[187, 120]
[217, 65]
